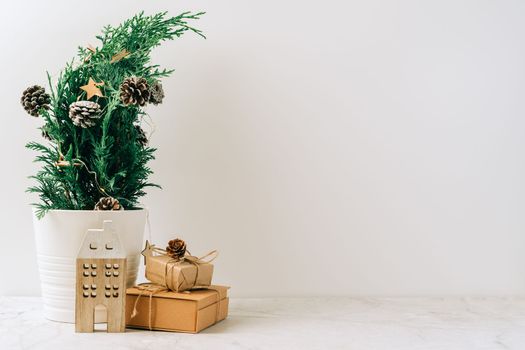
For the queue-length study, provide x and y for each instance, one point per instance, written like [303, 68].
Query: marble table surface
[310, 323]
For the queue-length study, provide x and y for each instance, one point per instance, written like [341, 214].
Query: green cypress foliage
[81, 165]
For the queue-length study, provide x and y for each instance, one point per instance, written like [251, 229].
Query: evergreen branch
[112, 160]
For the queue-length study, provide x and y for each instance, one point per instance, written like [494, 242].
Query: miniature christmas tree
[97, 151]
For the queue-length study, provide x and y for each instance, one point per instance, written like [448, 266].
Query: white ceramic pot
[59, 235]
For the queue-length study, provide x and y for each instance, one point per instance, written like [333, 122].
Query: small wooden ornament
[101, 280]
[119, 56]
[92, 88]
[92, 51]
[64, 163]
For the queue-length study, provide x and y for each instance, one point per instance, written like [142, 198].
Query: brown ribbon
[196, 261]
[218, 302]
[150, 288]
[205, 259]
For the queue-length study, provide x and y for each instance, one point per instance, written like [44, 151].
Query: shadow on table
[231, 325]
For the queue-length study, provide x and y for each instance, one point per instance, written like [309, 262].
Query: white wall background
[329, 147]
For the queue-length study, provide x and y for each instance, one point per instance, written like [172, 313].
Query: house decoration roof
[102, 243]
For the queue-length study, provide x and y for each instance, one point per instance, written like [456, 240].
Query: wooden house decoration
[101, 280]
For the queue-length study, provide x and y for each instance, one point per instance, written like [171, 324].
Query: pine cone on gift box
[84, 113]
[35, 98]
[176, 248]
[134, 91]
[142, 139]
[156, 94]
[108, 203]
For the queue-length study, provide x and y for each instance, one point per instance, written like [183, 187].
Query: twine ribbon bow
[175, 262]
[151, 289]
[205, 259]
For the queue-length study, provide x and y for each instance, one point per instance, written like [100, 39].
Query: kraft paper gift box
[177, 275]
[189, 312]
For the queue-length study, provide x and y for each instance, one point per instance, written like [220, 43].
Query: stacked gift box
[180, 296]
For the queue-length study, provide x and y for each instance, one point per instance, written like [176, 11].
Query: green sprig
[112, 161]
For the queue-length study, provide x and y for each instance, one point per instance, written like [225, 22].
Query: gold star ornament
[119, 56]
[148, 250]
[92, 88]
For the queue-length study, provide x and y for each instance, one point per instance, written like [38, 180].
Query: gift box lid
[203, 297]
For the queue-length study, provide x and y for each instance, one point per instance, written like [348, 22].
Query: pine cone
[84, 113]
[142, 139]
[176, 248]
[34, 98]
[156, 94]
[108, 203]
[134, 91]
[45, 134]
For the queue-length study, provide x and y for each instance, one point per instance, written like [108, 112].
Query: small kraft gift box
[176, 269]
[153, 307]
